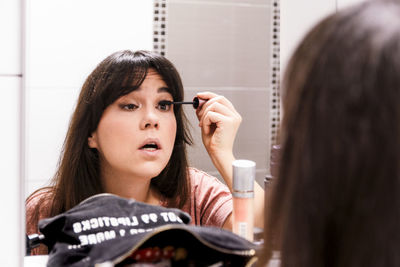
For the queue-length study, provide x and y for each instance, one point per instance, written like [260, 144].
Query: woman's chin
[150, 172]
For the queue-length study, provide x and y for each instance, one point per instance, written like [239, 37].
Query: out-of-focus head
[339, 177]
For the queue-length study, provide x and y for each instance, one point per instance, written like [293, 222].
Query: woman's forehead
[153, 74]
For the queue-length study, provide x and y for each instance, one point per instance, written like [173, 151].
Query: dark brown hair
[337, 197]
[78, 174]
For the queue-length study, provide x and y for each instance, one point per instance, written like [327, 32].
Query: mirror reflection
[229, 60]
[79, 128]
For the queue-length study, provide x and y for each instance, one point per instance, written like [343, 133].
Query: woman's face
[135, 136]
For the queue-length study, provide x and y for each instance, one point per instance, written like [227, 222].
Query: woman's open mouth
[150, 147]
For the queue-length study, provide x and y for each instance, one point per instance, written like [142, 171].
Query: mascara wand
[197, 102]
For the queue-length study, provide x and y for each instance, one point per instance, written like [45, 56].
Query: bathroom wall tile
[345, 3]
[48, 115]
[225, 47]
[297, 18]
[10, 36]
[10, 183]
[220, 45]
[32, 185]
[67, 39]
[224, 2]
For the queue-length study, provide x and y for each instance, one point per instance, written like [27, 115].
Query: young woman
[124, 140]
[337, 197]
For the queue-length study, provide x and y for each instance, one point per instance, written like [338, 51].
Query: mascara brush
[197, 102]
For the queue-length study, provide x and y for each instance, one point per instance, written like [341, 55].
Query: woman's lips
[150, 153]
[150, 148]
[150, 144]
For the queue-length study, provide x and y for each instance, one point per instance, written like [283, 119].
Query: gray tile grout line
[10, 75]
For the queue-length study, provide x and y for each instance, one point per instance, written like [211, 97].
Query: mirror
[225, 46]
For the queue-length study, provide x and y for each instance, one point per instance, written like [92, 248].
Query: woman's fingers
[215, 107]
[211, 99]
[212, 121]
[219, 122]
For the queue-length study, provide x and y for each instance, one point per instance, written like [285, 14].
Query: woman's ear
[92, 140]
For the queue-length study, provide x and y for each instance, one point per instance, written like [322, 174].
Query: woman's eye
[164, 105]
[129, 106]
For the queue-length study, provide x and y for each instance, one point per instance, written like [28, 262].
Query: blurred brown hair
[337, 197]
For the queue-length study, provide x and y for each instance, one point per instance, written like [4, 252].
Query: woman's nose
[150, 120]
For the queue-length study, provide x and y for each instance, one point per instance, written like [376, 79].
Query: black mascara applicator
[197, 102]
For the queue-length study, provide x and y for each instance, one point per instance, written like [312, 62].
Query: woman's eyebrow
[163, 89]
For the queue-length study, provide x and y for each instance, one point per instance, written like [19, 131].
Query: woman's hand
[219, 122]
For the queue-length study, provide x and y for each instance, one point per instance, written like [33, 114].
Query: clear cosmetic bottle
[243, 197]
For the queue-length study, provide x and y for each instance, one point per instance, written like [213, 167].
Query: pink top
[210, 199]
[210, 204]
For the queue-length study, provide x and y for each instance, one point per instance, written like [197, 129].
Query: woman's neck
[128, 187]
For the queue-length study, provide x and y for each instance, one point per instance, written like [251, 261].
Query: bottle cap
[244, 173]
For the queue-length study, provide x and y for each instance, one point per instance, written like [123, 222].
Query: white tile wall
[10, 36]
[11, 248]
[10, 186]
[49, 109]
[297, 18]
[67, 39]
[345, 3]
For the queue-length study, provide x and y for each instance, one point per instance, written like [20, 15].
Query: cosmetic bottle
[243, 197]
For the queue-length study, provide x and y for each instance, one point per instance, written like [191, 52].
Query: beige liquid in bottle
[243, 198]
